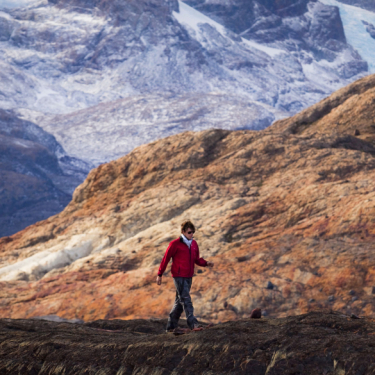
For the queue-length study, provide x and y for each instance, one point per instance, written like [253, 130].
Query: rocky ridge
[315, 343]
[286, 214]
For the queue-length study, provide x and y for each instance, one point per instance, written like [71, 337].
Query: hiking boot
[181, 331]
[198, 327]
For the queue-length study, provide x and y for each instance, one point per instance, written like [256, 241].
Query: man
[184, 252]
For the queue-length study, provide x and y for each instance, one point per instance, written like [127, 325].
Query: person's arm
[164, 263]
[202, 262]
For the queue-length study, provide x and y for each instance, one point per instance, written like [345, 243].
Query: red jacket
[183, 259]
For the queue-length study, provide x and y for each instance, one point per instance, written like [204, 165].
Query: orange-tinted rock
[293, 205]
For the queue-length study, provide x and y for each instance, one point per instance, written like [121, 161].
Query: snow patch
[21, 142]
[190, 17]
[268, 50]
[16, 3]
[5, 15]
[39, 264]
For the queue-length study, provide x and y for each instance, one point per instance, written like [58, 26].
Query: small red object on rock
[256, 314]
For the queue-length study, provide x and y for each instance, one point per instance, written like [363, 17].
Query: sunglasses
[192, 231]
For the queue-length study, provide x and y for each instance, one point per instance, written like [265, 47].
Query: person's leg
[187, 303]
[177, 308]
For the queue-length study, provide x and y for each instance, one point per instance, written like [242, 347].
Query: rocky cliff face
[286, 215]
[37, 176]
[297, 26]
[59, 57]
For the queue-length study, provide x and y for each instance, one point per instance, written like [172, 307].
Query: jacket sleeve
[200, 261]
[171, 250]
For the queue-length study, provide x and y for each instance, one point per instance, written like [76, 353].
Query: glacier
[355, 30]
[37, 265]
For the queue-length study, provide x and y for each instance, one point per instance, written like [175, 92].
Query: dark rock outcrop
[370, 28]
[315, 343]
[37, 177]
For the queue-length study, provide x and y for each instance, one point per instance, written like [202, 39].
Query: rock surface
[315, 343]
[37, 177]
[292, 205]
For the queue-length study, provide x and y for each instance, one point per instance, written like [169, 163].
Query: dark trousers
[182, 303]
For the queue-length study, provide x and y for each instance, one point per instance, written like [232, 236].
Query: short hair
[187, 225]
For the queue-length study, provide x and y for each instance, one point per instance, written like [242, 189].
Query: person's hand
[158, 280]
[210, 264]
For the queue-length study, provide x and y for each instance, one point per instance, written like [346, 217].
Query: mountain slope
[63, 56]
[37, 176]
[127, 123]
[286, 215]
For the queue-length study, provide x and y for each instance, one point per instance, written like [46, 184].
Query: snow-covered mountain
[58, 57]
